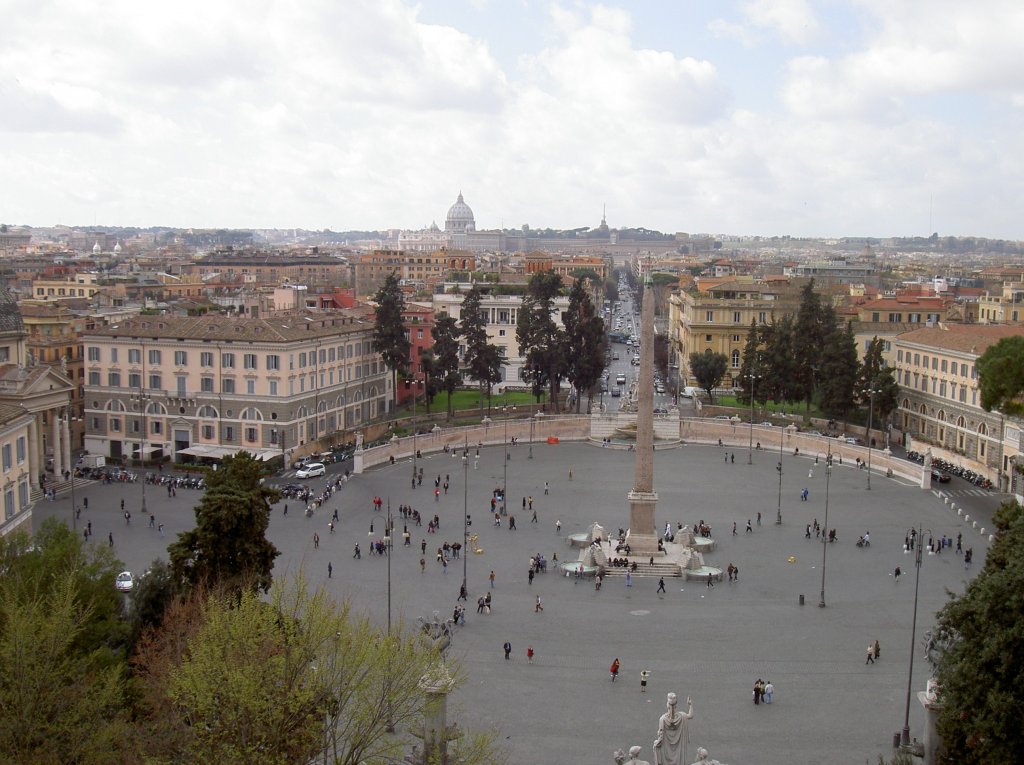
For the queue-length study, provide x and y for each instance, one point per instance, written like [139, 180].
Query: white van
[620, 379]
[688, 392]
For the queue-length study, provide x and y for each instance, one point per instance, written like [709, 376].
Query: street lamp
[778, 512]
[905, 737]
[533, 421]
[824, 535]
[143, 400]
[871, 413]
[465, 514]
[389, 534]
[415, 388]
[750, 446]
[507, 412]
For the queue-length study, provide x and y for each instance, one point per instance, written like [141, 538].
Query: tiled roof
[10, 318]
[279, 328]
[965, 338]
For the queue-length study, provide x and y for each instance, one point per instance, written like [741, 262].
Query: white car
[312, 470]
[124, 582]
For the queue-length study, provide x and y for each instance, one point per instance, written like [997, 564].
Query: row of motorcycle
[948, 467]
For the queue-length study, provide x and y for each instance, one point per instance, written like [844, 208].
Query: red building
[419, 325]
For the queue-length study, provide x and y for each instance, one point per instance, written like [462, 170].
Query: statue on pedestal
[634, 754]
[703, 758]
[673, 734]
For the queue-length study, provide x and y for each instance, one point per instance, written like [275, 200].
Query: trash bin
[801, 598]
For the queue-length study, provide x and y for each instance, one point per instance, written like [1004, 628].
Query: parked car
[616, 392]
[938, 475]
[124, 582]
[312, 470]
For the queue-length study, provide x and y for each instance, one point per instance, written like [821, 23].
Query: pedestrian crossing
[962, 493]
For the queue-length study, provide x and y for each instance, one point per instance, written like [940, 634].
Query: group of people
[763, 691]
[874, 651]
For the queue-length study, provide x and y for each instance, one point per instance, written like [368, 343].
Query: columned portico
[55, 441]
[65, 432]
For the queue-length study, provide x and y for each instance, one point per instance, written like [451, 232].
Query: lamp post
[750, 445]
[507, 412]
[919, 549]
[415, 388]
[533, 421]
[74, 519]
[465, 514]
[778, 512]
[388, 544]
[824, 535]
[871, 413]
[143, 399]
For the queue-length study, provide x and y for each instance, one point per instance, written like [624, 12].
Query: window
[93, 353]
[206, 385]
[227, 360]
[735, 338]
[963, 370]
[227, 385]
[8, 461]
[21, 448]
[23, 493]
[735, 317]
[114, 379]
[181, 358]
[273, 387]
[501, 333]
[181, 381]
[709, 316]
[156, 427]
[323, 356]
[156, 382]
[136, 426]
[899, 357]
[943, 365]
[229, 433]
[302, 360]
[154, 357]
[735, 359]
[250, 387]
[94, 378]
[8, 504]
[707, 338]
[115, 425]
[208, 432]
[134, 356]
[250, 435]
[134, 380]
[935, 363]
[273, 362]
[206, 359]
[249, 361]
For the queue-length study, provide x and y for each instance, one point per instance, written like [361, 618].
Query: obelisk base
[643, 535]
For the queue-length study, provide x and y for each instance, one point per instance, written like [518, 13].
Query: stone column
[54, 416]
[643, 535]
[33, 449]
[66, 437]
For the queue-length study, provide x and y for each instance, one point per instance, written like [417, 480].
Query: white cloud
[793, 20]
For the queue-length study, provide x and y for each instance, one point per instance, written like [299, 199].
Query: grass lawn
[470, 399]
[772, 406]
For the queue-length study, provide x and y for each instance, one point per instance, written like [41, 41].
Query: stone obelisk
[643, 535]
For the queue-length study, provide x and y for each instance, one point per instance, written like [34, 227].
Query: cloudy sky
[834, 117]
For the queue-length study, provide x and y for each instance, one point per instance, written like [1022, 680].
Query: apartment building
[719, 318]
[501, 312]
[270, 268]
[412, 267]
[210, 386]
[1006, 305]
[940, 405]
[81, 285]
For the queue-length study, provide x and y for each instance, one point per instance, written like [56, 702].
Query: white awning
[146, 450]
[265, 455]
[209, 450]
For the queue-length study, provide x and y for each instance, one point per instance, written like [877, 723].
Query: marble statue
[673, 733]
[359, 442]
[703, 758]
[634, 754]
[63, 365]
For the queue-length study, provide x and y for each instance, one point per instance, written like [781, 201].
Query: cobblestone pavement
[711, 644]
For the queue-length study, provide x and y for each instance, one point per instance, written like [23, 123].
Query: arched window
[208, 412]
[115, 406]
[982, 441]
[341, 402]
[321, 407]
[303, 411]
[735, 359]
[906, 403]
[373, 391]
[252, 413]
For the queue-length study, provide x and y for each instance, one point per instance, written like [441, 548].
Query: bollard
[982, 532]
[945, 500]
[967, 519]
[959, 511]
[801, 598]
[974, 524]
[991, 537]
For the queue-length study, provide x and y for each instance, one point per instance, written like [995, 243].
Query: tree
[838, 372]
[779, 360]
[432, 385]
[446, 355]
[876, 376]
[708, 368]
[479, 356]
[1001, 376]
[62, 658]
[154, 591]
[389, 338]
[810, 333]
[584, 333]
[752, 365]
[981, 672]
[541, 343]
[229, 545]
[298, 678]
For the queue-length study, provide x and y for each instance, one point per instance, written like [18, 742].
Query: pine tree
[389, 337]
[542, 344]
[584, 331]
[473, 329]
[446, 356]
[811, 332]
[838, 372]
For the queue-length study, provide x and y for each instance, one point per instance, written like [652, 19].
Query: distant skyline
[770, 117]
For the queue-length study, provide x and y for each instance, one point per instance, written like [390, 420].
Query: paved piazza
[708, 644]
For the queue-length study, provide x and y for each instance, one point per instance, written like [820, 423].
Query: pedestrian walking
[644, 674]
[508, 650]
[491, 577]
[357, 553]
[511, 523]
[152, 521]
[330, 570]
[711, 581]
[661, 584]
[750, 528]
[896, 574]
[629, 579]
[462, 593]
[159, 528]
[769, 691]
[530, 577]
[878, 649]
[558, 527]
[89, 528]
[529, 501]
[871, 654]
[110, 538]
[122, 504]
[286, 508]
[85, 503]
[545, 487]
[807, 534]
[529, 654]
[330, 526]
[615, 669]
[537, 607]
[423, 565]
[316, 541]
[732, 458]
[534, 518]
[758, 689]
[758, 519]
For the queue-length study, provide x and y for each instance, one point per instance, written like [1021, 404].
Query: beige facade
[16, 468]
[212, 385]
[82, 285]
[501, 313]
[719, 320]
[940, 405]
[1007, 305]
[411, 267]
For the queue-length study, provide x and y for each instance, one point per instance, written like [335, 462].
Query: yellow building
[83, 285]
[1006, 305]
[411, 267]
[939, 407]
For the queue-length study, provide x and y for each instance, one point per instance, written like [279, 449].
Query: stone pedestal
[932, 742]
[643, 534]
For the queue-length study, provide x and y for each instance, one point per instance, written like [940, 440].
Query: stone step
[61, 487]
[644, 569]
